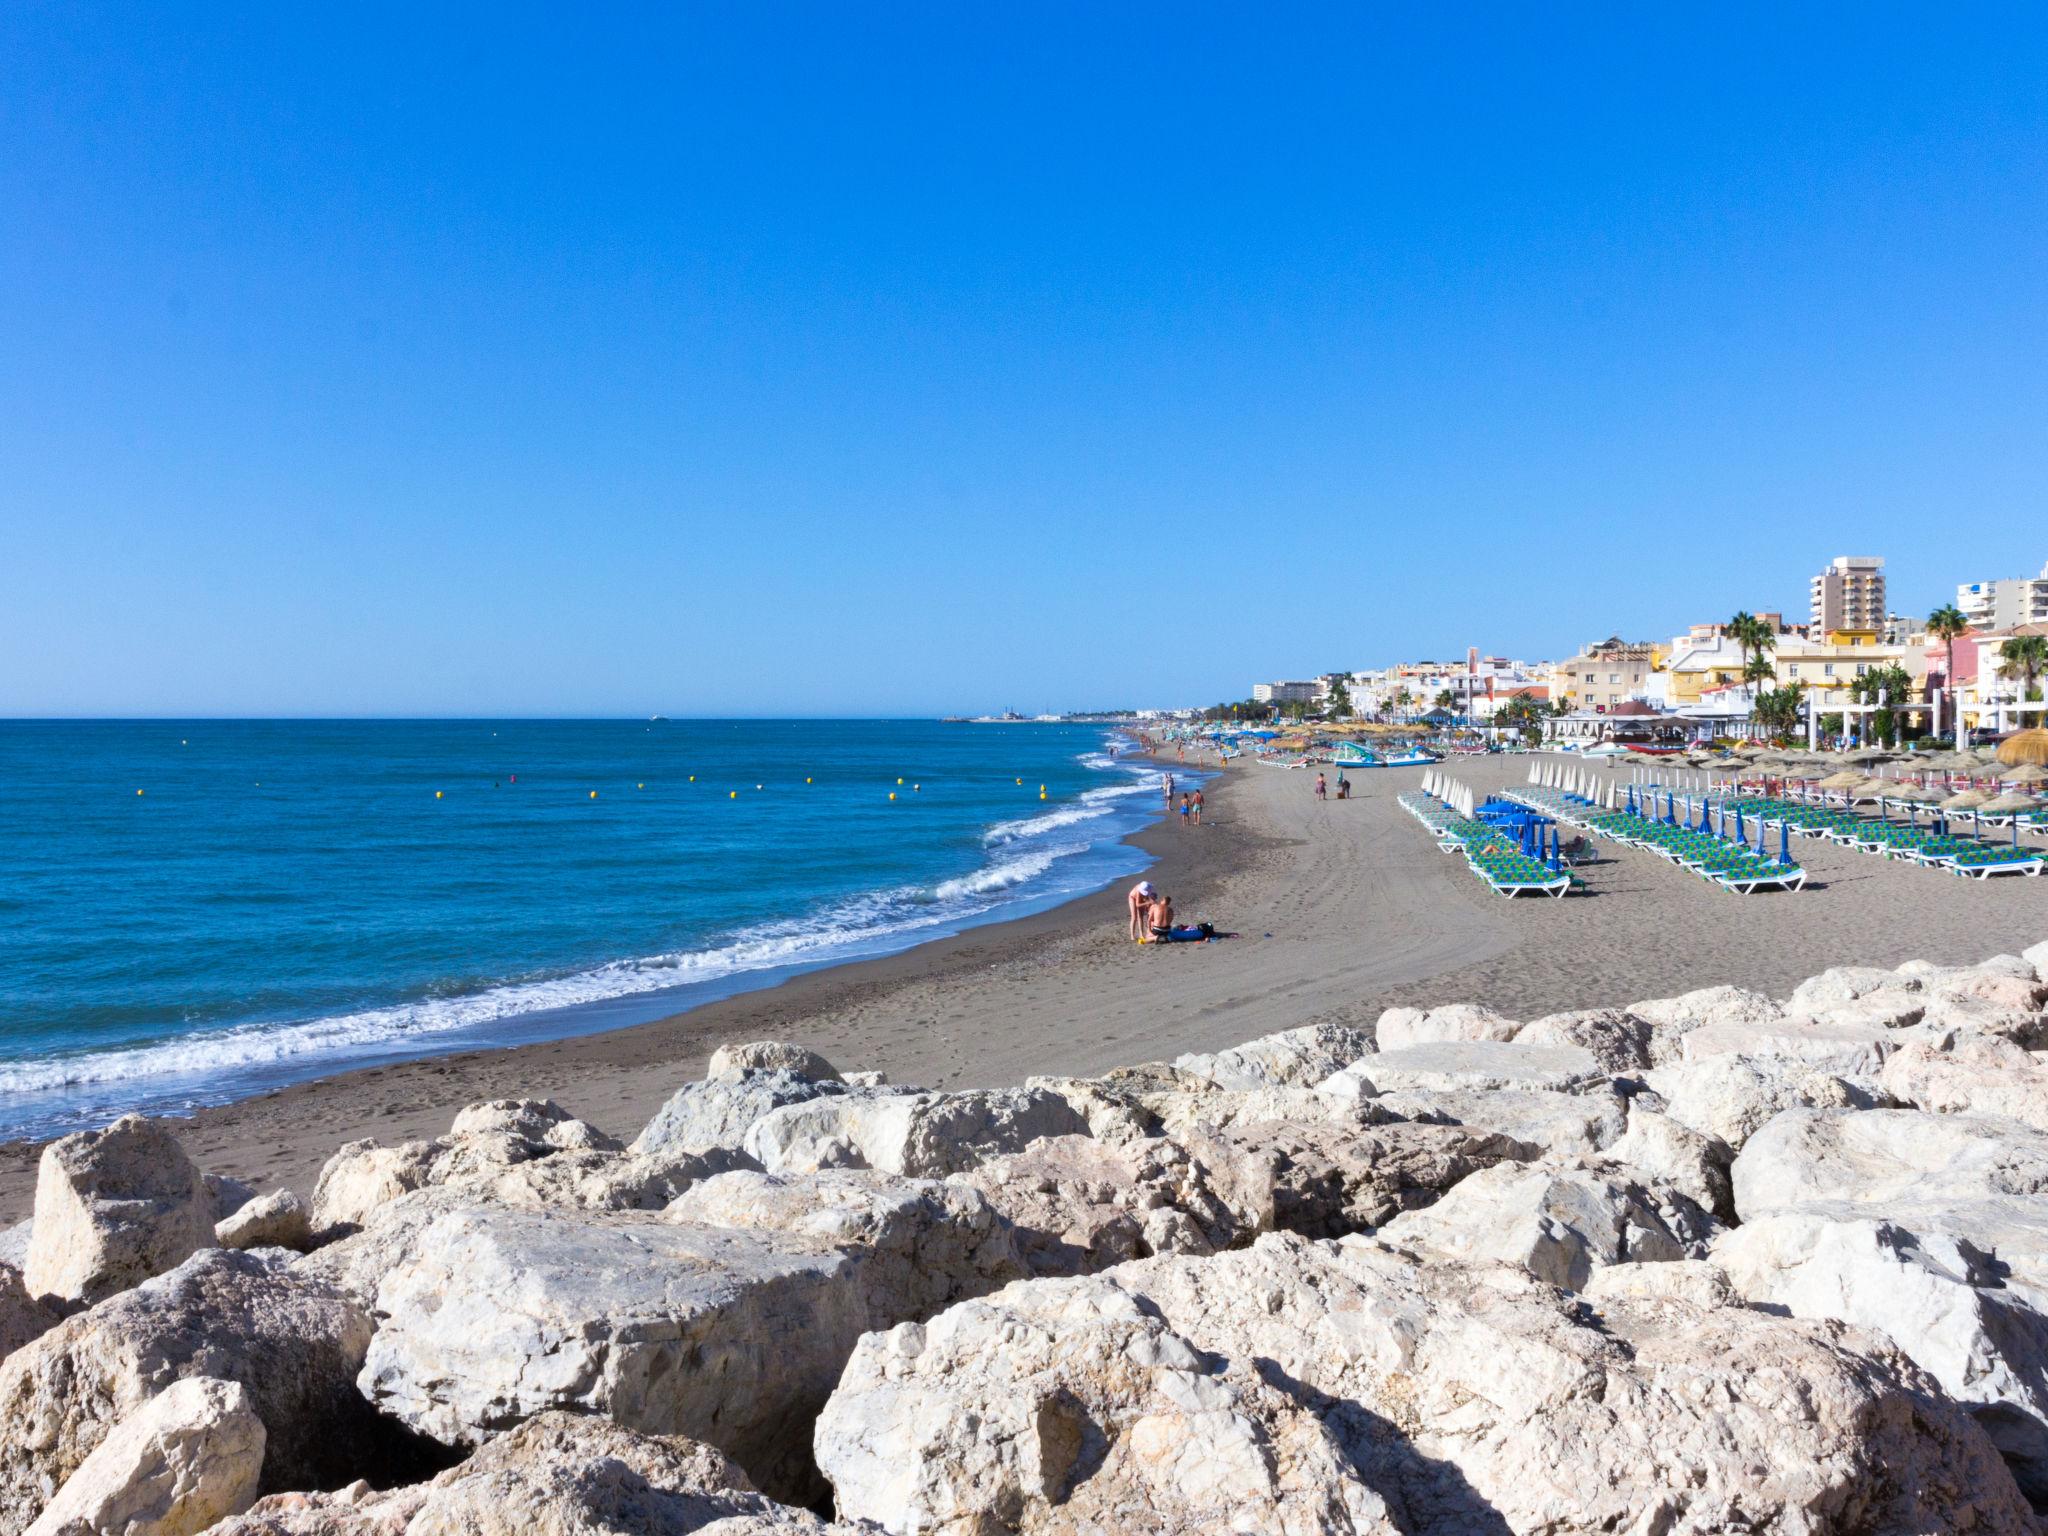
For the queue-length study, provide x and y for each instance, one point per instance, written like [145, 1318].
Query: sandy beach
[1340, 909]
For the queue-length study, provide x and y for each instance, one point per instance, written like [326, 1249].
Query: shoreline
[616, 1077]
[1339, 911]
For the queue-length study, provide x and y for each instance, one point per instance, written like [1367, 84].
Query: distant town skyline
[801, 361]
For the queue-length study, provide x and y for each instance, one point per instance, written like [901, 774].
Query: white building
[2005, 604]
[1849, 594]
[1285, 693]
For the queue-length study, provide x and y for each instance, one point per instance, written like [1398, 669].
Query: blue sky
[789, 359]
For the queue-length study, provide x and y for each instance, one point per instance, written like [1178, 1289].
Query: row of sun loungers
[1489, 851]
[1726, 864]
[1971, 857]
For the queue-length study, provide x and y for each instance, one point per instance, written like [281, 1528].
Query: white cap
[1145, 888]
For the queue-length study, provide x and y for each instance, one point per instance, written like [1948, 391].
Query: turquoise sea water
[285, 899]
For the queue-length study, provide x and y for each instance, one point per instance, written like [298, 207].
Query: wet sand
[1341, 909]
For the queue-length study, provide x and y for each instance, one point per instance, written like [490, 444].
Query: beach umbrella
[1869, 789]
[2030, 773]
[1784, 842]
[1968, 800]
[2029, 746]
[2007, 803]
[1847, 779]
[1738, 826]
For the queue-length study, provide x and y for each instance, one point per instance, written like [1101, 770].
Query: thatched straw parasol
[1968, 800]
[2024, 747]
[1870, 789]
[2031, 773]
[1848, 778]
[1913, 794]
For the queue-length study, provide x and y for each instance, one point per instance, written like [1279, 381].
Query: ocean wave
[867, 923]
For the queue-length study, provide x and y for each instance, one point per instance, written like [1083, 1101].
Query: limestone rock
[558, 1474]
[721, 1111]
[1730, 1097]
[1937, 1298]
[1980, 1075]
[364, 1176]
[1845, 984]
[225, 1196]
[22, 1317]
[187, 1458]
[1671, 1019]
[1849, 1050]
[541, 1123]
[921, 1244]
[1666, 1150]
[1485, 1065]
[1111, 1111]
[923, 1135]
[14, 1243]
[1184, 1115]
[732, 1337]
[1400, 1027]
[1087, 1414]
[1884, 1157]
[1461, 1399]
[2036, 955]
[1078, 1205]
[1694, 1282]
[1558, 1221]
[1619, 1040]
[1294, 1058]
[1566, 1123]
[733, 1061]
[1326, 1180]
[294, 1344]
[279, 1219]
[113, 1208]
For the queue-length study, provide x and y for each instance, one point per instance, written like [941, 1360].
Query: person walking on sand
[1322, 788]
[1140, 903]
[1197, 817]
[1186, 810]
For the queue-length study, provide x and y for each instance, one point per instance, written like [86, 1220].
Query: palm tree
[2024, 657]
[1753, 636]
[1945, 624]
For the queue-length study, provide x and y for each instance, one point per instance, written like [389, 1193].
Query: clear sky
[902, 359]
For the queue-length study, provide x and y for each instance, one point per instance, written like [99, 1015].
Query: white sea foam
[1037, 826]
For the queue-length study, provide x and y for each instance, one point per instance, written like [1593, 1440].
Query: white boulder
[734, 1061]
[280, 1219]
[1451, 1066]
[113, 1208]
[922, 1135]
[1619, 1040]
[185, 1459]
[1294, 1058]
[1399, 1027]
[1565, 1123]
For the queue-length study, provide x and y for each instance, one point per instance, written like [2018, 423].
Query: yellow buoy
[1020, 781]
[732, 794]
[639, 786]
[899, 781]
[693, 778]
[892, 794]
[593, 794]
[437, 794]
[1041, 794]
[807, 780]
[138, 791]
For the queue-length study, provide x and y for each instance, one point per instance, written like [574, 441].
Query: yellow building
[1607, 673]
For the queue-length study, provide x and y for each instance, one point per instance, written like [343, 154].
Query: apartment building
[1849, 595]
[2005, 604]
[1606, 673]
[1286, 693]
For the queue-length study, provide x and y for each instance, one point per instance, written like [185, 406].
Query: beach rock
[279, 1219]
[1672, 1153]
[720, 1111]
[1671, 1019]
[1184, 1115]
[14, 1242]
[1845, 984]
[600, 1181]
[1078, 1205]
[869, 1080]
[732, 1337]
[1694, 1282]
[922, 1135]
[732, 1062]
[22, 1317]
[294, 1344]
[185, 1459]
[921, 1244]
[557, 1474]
[1088, 1414]
[365, 1176]
[1845, 1050]
[1462, 1399]
[1484, 1065]
[1618, 1040]
[1730, 1097]
[1977, 1074]
[113, 1208]
[2036, 955]
[1294, 1058]
[1893, 1007]
[1559, 1221]
[1112, 1112]
[1325, 1180]
[1885, 1157]
[225, 1195]
[1940, 1300]
[1402, 1027]
[540, 1123]
[1565, 1123]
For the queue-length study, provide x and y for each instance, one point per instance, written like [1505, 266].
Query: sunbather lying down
[1188, 933]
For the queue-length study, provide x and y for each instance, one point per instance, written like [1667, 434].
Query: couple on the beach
[1151, 911]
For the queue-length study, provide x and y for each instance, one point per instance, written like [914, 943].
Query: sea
[197, 911]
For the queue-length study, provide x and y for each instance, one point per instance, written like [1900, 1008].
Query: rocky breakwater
[1706, 1263]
